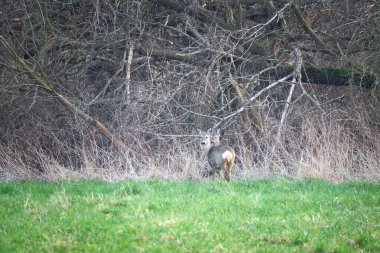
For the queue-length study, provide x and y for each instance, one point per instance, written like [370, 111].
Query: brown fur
[220, 157]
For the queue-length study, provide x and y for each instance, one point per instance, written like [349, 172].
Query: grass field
[278, 215]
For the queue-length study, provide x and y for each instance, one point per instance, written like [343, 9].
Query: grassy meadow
[277, 215]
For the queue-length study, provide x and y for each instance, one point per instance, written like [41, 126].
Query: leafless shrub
[185, 74]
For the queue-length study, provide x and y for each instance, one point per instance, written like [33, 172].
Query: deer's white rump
[220, 157]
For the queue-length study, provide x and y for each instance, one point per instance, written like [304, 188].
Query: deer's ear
[199, 131]
[218, 131]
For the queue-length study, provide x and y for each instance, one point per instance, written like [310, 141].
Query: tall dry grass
[336, 140]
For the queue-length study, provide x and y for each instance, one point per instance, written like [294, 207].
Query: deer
[220, 157]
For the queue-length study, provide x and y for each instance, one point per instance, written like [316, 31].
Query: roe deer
[221, 158]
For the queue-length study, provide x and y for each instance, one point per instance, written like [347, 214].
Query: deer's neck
[205, 149]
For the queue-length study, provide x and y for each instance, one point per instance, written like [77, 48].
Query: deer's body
[220, 157]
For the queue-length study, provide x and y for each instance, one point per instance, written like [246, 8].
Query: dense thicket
[117, 89]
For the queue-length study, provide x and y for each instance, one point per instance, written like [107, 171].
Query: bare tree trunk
[296, 79]
[128, 73]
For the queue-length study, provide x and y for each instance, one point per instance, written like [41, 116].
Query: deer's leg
[215, 172]
[225, 171]
[228, 172]
[208, 173]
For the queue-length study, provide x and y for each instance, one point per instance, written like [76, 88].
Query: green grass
[155, 216]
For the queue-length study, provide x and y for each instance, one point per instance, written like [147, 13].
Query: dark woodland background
[118, 89]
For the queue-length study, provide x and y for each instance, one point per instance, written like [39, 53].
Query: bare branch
[250, 100]
[64, 101]
[197, 11]
[306, 26]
